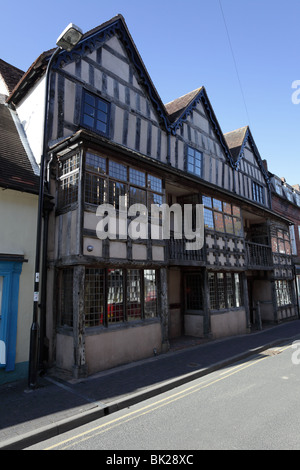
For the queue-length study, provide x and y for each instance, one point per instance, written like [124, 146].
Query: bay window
[222, 216]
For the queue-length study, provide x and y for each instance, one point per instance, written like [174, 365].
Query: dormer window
[95, 113]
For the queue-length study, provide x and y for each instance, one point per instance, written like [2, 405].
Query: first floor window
[106, 180]
[281, 242]
[222, 216]
[283, 292]
[68, 180]
[224, 290]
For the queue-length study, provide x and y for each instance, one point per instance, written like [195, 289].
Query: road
[254, 405]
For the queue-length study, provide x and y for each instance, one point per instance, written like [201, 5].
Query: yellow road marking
[152, 407]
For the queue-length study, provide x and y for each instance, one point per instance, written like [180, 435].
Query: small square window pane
[137, 177]
[89, 99]
[89, 110]
[217, 204]
[206, 201]
[102, 106]
[101, 127]
[208, 219]
[228, 224]
[89, 121]
[102, 116]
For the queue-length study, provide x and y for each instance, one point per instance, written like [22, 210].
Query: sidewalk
[60, 404]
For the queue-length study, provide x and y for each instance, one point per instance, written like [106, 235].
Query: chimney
[265, 164]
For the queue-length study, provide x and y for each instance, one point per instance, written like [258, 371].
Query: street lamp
[68, 39]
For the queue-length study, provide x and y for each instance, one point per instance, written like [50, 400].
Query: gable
[195, 110]
[251, 177]
[111, 47]
[242, 146]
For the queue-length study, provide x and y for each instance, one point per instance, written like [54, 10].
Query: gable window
[194, 161]
[258, 193]
[95, 113]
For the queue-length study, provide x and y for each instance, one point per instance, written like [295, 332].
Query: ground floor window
[283, 292]
[111, 296]
[225, 290]
[118, 295]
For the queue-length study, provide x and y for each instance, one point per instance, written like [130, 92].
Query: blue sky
[247, 63]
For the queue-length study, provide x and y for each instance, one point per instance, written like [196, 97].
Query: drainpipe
[297, 291]
[34, 331]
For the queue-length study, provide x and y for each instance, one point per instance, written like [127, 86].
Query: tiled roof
[16, 171]
[176, 108]
[235, 140]
[11, 75]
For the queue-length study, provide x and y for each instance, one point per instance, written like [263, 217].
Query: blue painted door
[9, 295]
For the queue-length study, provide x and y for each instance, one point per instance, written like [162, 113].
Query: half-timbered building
[286, 201]
[269, 271]
[116, 299]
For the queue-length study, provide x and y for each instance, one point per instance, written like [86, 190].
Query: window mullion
[142, 294]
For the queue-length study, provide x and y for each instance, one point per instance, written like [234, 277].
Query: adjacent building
[286, 201]
[19, 183]
[113, 298]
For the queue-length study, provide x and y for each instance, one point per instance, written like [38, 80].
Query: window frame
[192, 153]
[258, 193]
[281, 238]
[153, 187]
[98, 99]
[284, 292]
[216, 208]
[66, 198]
[218, 289]
[126, 313]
